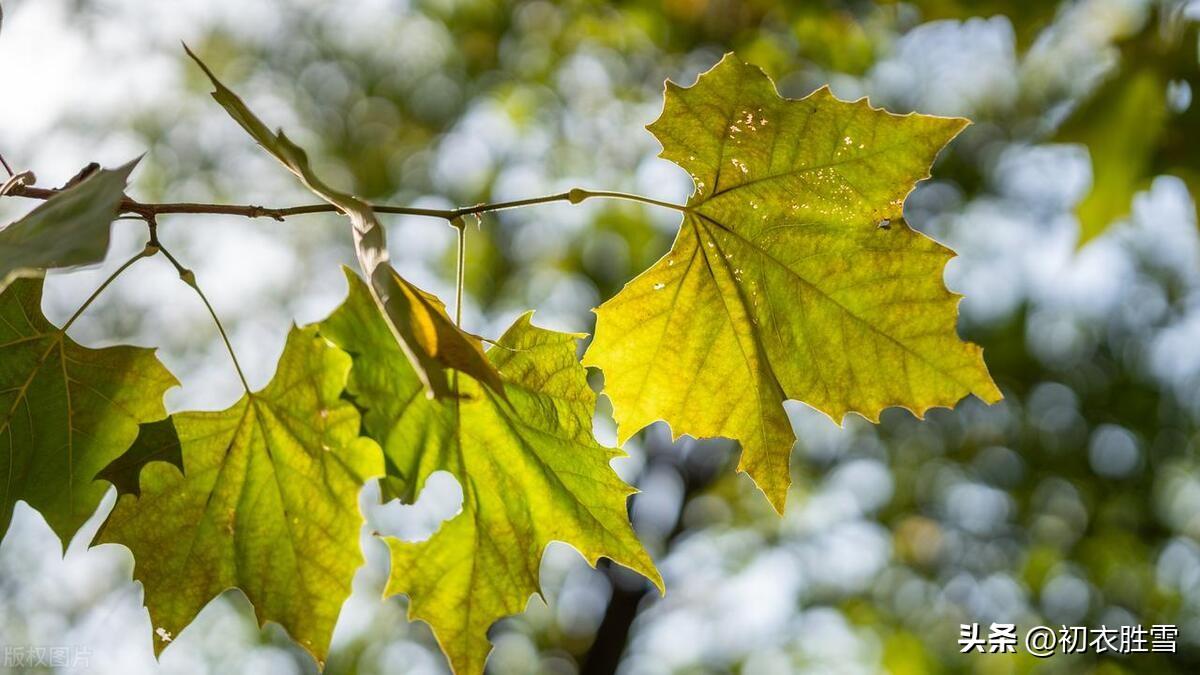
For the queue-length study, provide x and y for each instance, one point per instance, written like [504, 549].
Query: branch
[150, 210]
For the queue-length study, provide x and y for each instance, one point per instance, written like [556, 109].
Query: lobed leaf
[793, 275]
[67, 230]
[66, 411]
[530, 469]
[267, 502]
[416, 319]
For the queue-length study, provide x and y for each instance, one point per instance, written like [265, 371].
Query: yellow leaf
[793, 275]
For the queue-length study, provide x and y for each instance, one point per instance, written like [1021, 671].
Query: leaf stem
[188, 277]
[575, 196]
[149, 210]
[460, 272]
[608, 194]
[144, 253]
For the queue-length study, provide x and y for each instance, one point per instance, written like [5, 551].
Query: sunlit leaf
[66, 411]
[417, 319]
[530, 469]
[793, 275]
[156, 442]
[267, 502]
[69, 229]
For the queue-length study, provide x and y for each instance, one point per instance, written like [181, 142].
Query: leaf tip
[207, 71]
[127, 168]
[657, 580]
[777, 501]
[990, 394]
[192, 55]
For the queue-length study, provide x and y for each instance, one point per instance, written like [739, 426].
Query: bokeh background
[1070, 201]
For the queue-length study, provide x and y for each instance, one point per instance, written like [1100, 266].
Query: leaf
[530, 469]
[69, 229]
[156, 442]
[66, 411]
[1128, 125]
[1121, 129]
[792, 276]
[417, 320]
[267, 502]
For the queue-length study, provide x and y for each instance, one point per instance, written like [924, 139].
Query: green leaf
[66, 411]
[1121, 127]
[156, 442]
[69, 229]
[530, 469]
[417, 319]
[1129, 126]
[792, 276]
[267, 502]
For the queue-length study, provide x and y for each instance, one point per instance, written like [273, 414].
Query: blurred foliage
[1136, 125]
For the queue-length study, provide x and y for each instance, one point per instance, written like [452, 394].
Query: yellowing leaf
[66, 411]
[69, 229]
[267, 502]
[530, 469]
[792, 276]
[417, 319]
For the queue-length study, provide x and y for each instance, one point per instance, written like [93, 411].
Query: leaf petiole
[460, 269]
[575, 196]
[188, 277]
[146, 252]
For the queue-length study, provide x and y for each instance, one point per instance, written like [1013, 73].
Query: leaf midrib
[56, 338]
[767, 255]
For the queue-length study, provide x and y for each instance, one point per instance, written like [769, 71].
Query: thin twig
[189, 278]
[149, 210]
[7, 167]
[144, 253]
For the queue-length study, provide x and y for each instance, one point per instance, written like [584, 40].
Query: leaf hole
[440, 500]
